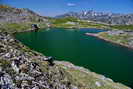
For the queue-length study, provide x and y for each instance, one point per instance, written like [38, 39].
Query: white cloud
[71, 4]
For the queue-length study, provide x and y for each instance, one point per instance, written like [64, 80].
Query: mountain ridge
[104, 17]
[15, 15]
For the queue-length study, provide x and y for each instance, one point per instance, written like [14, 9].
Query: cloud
[71, 4]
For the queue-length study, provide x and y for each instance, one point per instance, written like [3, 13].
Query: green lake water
[110, 60]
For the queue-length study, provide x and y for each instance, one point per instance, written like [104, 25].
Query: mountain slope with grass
[73, 22]
[11, 14]
[12, 18]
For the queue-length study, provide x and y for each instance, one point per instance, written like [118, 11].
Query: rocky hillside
[109, 18]
[11, 14]
[21, 68]
[15, 20]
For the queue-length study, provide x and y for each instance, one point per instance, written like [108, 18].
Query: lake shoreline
[107, 40]
[83, 27]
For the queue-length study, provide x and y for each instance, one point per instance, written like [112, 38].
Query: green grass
[84, 24]
[91, 25]
[18, 27]
[61, 22]
[87, 80]
[123, 38]
[122, 27]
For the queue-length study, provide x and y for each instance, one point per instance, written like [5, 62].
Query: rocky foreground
[22, 68]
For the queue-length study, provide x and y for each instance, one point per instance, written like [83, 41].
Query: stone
[15, 68]
[98, 84]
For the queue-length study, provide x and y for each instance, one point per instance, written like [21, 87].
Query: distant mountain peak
[104, 17]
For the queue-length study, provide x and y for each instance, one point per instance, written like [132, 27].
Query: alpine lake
[110, 60]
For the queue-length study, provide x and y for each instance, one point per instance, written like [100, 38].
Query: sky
[58, 7]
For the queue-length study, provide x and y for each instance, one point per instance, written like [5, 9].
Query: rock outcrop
[15, 15]
[20, 68]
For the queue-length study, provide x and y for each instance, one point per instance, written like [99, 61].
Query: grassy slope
[86, 79]
[18, 27]
[123, 27]
[62, 23]
[122, 39]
